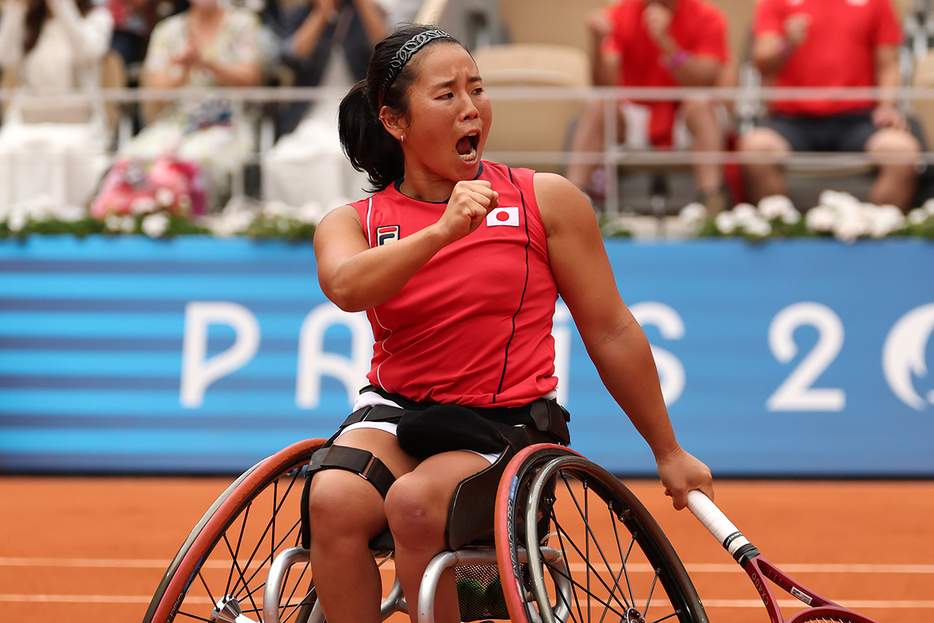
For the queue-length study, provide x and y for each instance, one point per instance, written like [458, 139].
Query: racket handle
[717, 523]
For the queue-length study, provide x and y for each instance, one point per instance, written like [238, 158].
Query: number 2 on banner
[797, 393]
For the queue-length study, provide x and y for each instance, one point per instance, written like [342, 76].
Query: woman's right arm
[356, 277]
[12, 30]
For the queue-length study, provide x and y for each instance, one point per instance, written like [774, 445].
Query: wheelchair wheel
[596, 553]
[220, 571]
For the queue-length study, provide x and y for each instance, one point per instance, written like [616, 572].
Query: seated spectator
[133, 23]
[212, 44]
[49, 147]
[659, 43]
[813, 44]
[326, 43]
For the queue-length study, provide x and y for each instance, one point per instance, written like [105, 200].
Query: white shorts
[637, 118]
[369, 399]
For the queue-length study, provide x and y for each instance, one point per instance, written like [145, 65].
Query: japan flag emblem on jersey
[503, 216]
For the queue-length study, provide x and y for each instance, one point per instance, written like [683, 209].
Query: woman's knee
[341, 505]
[763, 140]
[893, 141]
[417, 511]
[700, 108]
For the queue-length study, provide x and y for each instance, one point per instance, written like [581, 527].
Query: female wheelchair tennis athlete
[458, 263]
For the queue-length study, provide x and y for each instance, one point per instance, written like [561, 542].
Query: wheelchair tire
[614, 564]
[221, 567]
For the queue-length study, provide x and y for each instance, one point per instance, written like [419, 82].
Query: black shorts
[844, 132]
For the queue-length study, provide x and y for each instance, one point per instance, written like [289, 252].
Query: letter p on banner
[198, 372]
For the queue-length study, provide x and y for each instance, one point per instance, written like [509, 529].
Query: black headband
[407, 51]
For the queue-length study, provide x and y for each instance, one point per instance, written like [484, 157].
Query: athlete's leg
[345, 513]
[417, 509]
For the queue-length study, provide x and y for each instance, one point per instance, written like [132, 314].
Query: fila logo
[503, 216]
[387, 234]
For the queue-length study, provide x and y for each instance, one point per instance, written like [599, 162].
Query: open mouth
[467, 147]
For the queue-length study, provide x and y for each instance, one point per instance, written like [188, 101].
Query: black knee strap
[354, 460]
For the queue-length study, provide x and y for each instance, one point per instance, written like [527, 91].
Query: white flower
[778, 206]
[275, 209]
[917, 216]
[883, 220]
[928, 206]
[758, 227]
[39, 209]
[143, 205]
[125, 224]
[838, 201]
[852, 225]
[745, 213]
[790, 218]
[70, 214]
[165, 197]
[16, 221]
[820, 218]
[155, 225]
[229, 222]
[693, 213]
[726, 222]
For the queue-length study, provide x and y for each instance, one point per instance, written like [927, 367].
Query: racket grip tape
[721, 527]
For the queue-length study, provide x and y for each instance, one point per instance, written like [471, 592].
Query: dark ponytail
[370, 148]
[366, 142]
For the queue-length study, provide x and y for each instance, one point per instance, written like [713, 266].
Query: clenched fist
[469, 204]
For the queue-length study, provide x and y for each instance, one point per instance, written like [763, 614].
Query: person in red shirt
[830, 43]
[659, 43]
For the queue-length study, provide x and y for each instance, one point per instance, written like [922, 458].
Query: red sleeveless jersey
[473, 326]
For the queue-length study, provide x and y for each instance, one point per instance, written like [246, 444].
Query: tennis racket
[759, 570]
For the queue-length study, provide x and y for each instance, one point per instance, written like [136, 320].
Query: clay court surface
[78, 550]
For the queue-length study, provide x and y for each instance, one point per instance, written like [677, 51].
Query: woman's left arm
[614, 340]
[89, 34]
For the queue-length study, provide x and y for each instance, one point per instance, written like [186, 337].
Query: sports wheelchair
[569, 543]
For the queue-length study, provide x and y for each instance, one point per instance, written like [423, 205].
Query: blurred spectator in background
[326, 43]
[48, 146]
[133, 23]
[850, 43]
[209, 45]
[659, 43]
[314, 31]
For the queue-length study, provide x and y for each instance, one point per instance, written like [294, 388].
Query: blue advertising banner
[202, 355]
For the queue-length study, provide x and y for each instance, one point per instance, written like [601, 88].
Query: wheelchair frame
[548, 495]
